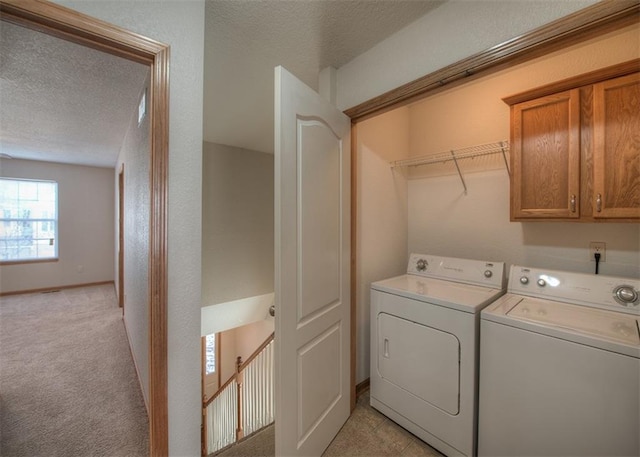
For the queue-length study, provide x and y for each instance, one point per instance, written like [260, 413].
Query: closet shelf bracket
[455, 161]
[505, 146]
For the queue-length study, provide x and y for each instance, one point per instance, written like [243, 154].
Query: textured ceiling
[246, 39]
[62, 102]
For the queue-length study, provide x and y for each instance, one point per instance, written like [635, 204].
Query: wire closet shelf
[455, 154]
[499, 147]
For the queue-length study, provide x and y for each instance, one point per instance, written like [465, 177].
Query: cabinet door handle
[599, 203]
[573, 203]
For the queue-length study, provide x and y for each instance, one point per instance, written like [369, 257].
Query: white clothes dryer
[424, 347]
[560, 366]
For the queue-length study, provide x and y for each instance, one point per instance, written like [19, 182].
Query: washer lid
[463, 297]
[608, 330]
[613, 326]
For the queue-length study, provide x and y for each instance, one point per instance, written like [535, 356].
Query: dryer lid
[462, 297]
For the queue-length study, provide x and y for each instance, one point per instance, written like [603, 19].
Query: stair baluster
[243, 405]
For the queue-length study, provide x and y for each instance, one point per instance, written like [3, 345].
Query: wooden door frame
[600, 18]
[121, 238]
[70, 25]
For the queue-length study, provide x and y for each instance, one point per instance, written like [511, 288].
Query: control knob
[524, 280]
[421, 264]
[625, 295]
[488, 273]
[542, 282]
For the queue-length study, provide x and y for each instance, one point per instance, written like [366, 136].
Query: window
[210, 356]
[210, 364]
[28, 220]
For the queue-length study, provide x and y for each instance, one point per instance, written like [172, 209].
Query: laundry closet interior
[460, 208]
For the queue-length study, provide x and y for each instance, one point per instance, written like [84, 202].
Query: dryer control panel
[467, 271]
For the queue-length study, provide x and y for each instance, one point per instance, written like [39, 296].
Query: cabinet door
[545, 157]
[616, 155]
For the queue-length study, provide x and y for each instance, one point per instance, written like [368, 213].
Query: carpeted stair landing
[260, 444]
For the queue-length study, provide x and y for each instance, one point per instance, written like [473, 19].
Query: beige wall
[241, 341]
[85, 227]
[250, 337]
[227, 355]
[134, 156]
[382, 214]
[440, 219]
[237, 224]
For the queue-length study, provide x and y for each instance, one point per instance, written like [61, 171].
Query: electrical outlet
[597, 246]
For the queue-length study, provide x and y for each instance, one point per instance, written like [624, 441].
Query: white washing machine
[560, 366]
[424, 347]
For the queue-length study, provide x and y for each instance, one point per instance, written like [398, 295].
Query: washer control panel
[490, 274]
[607, 292]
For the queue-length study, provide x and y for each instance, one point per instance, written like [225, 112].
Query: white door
[312, 256]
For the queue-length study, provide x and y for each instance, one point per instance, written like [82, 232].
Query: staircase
[243, 405]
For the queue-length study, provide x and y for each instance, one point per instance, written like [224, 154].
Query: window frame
[54, 220]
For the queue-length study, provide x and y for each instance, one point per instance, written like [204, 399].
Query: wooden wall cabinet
[616, 151]
[545, 157]
[575, 148]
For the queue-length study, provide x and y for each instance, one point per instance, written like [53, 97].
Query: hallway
[68, 384]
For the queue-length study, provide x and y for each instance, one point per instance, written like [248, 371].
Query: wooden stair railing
[233, 391]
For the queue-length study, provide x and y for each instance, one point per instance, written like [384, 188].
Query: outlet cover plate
[597, 246]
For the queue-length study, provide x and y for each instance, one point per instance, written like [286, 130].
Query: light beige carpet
[367, 433]
[68, 386]
[260, 444]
